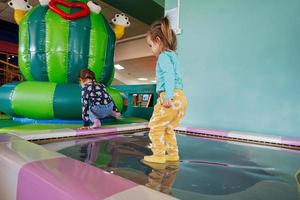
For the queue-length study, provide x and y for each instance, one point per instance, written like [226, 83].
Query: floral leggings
[163, 122]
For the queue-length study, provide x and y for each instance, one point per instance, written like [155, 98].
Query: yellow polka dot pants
[163, 122]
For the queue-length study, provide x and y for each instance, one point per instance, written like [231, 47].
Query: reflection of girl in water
[162, 177]
[96, 153]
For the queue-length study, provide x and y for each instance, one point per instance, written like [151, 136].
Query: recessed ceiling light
[119, 67]
[154, 81]
[142, 79]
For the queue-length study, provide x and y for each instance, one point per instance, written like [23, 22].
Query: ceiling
[147, 11]
[134, 68]
[137, 27]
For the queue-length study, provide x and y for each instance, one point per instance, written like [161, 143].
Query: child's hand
[167, 103]
[84, 128]
[116, 114]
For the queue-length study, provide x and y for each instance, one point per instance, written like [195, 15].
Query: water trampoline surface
[209, 169]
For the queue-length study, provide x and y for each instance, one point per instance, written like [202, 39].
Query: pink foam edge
[65, 179]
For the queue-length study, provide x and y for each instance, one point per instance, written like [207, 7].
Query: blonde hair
[164, 32]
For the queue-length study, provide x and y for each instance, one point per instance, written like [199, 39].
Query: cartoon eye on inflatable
[121, 20]
[10, 4]
[19, 5]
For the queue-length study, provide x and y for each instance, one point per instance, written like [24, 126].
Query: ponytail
[164, 32]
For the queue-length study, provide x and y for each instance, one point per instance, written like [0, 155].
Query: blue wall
[241, 64]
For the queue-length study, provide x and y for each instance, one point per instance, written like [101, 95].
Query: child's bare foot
[97, 124]
[116, 115]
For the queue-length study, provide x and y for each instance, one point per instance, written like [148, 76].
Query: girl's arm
[167, 69]
[115, 107]
[85, 105]
[104, 90]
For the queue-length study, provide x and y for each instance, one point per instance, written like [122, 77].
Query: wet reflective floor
[208, 169]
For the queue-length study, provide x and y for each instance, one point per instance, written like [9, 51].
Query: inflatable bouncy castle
[56, 40]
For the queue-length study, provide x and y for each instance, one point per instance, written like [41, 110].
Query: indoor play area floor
[209, 169]
[59, 156]
[7, 125]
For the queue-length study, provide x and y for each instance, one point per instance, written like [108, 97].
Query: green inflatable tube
[37, 105]
[47, 100]
[6, 92]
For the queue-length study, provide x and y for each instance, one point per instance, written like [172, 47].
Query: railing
[8, 72]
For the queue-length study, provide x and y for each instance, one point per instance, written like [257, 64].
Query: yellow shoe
[171, 158]
[155, 166]
[155, 159]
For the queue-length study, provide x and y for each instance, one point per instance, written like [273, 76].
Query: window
[9, 71]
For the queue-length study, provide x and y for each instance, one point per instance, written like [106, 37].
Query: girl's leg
[94, 117]
[100, 112]
[96, 123]
[179, 106]
[158, 124]
[171, 143]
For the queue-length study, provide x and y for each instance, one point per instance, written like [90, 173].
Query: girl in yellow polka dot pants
[162, 124]
[171, 105]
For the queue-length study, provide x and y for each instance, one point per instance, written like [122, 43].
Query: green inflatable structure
[52, 51]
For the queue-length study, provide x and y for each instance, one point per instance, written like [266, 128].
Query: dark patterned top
[93, 94]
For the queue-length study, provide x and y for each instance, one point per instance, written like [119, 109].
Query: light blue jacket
[168, 75]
